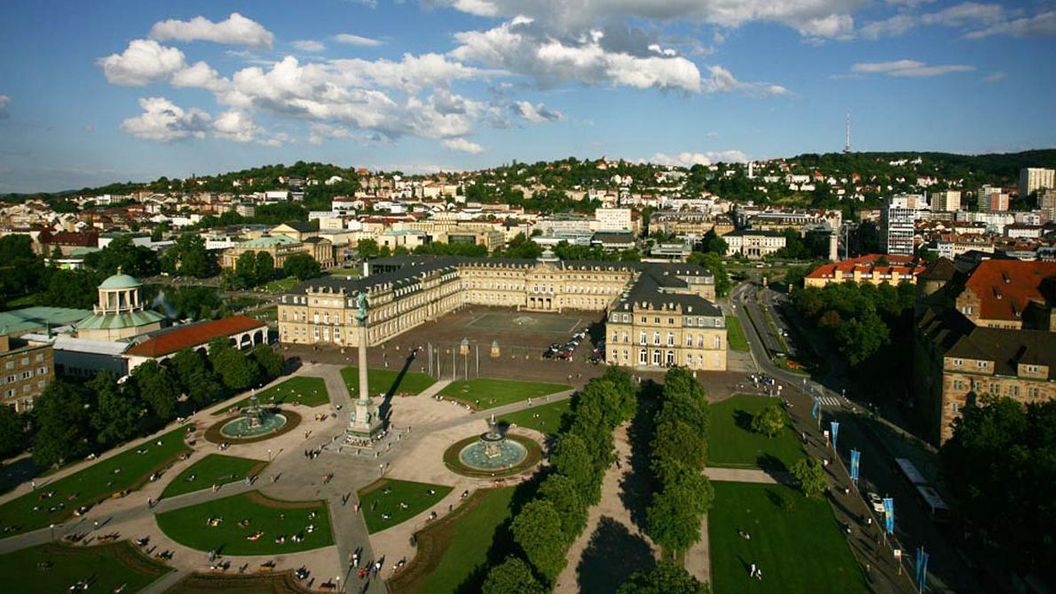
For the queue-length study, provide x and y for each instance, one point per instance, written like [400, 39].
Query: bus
[933, 502]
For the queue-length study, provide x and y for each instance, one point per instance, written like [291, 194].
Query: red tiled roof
[903, 265]
[1005, 287]
[192, 336]
[85, 239]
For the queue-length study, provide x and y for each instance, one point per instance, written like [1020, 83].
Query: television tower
[847, 143]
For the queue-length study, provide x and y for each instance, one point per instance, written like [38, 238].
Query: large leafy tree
[512, 576]
[12, 432]
[810, 477]
[265, 268]
[196, 379]
[21, 271]
[122, 254]
[537, 531]
[270, 362]
[72, 288]
[116, 417]
[301, 266]
[561, 492]
[769, 421]
[572, 459]
[63, 420]
[188, 257]
[665, 578]
[158, 388]
[236, 371]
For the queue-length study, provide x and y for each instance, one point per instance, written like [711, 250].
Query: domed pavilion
[119, 314]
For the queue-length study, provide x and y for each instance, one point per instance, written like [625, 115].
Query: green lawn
[265, 314]
[281, 285]
[399, 500]
[802, 550]
[127, 470]
[387, 381]
[733, 444]
[52, 568]
[468, 541]
[544, 419]
[735, 334]
[214, 469]
[189, 526]
[301, 389]
[489, 393]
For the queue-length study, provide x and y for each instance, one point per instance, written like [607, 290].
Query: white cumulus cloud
[236, 30]
[463, 145]
[143, 61]
[4, 102]
[689, 159]
[164, 121]
[536, 114]
[308, 45]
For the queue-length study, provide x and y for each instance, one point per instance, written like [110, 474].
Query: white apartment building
[946, 201]
[754, 244]
[1036, 178]
[613, 220]
[897, 216]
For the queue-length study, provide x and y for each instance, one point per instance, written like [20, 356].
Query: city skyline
[125, 92]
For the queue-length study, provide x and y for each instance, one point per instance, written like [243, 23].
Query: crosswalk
[831, 401]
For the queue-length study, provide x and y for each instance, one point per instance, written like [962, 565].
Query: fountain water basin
[493, 451]
[255, 421]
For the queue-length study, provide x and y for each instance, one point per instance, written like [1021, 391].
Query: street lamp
[269, 454]
[53, 532]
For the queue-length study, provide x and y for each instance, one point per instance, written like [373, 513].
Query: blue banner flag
[835, 429]
[889, 514]
[817, 407]
[856, 457]
[922, 569]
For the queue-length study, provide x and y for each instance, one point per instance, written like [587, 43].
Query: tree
[672, 524]
[513, 576]
[188, 257]
[236, 371]
[561, 492]
[769, 421]
[157, 388]
[196, 380]
[270, 362]
[72, 288]
[245, 274]
[367, 249]
[810, 477]
[265, 269]
[613, 406]
[677, 444]
[665, 578]
[537, 531]
[124, 255]
[714, 264]
[117, 415]
[714, 244]
[572, 459]
[301, 266]
[63, 416]
[12, 432]
[193, 301]
[522, 247]
[21, 271]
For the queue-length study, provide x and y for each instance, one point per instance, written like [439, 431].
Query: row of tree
[678, 456]
[253, 269]
[72, 419]
[858, 317]
[546, 526]
[1001, 466]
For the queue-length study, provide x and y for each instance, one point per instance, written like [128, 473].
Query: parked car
[875, 502]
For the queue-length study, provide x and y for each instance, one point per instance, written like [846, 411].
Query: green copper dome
[120, 281]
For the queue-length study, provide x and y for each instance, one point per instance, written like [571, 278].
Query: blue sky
[129, 90]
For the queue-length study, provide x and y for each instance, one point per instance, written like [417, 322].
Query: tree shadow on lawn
[771, 463]
[743, 419]
[612, 555]
[636, 487]
[502, 543]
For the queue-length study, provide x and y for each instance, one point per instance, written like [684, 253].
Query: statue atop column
[364, 420]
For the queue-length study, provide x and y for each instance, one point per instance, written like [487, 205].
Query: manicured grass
[545, 419]
[801, 550]
[265, 314]
[189, 526]
[214, 469]
[735, 334]
[127, 470]
[734, 444]
[489, 393]
[309, 391]
[51, 568]
[400, 500]
[456, 549]
[387, 381]
[281, 285]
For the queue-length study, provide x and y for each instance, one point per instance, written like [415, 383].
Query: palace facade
[407, 291]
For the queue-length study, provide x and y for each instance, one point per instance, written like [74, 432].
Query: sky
[119, 90]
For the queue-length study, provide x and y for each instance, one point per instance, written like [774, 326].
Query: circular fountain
[256, 420]
[492, 451]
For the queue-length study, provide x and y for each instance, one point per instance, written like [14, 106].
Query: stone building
[25, 370]
[405, 292]
[988, 329]
[119, 314]
[873, 268]
[752, 244]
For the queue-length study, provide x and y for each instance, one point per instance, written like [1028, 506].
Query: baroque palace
[658, 314]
